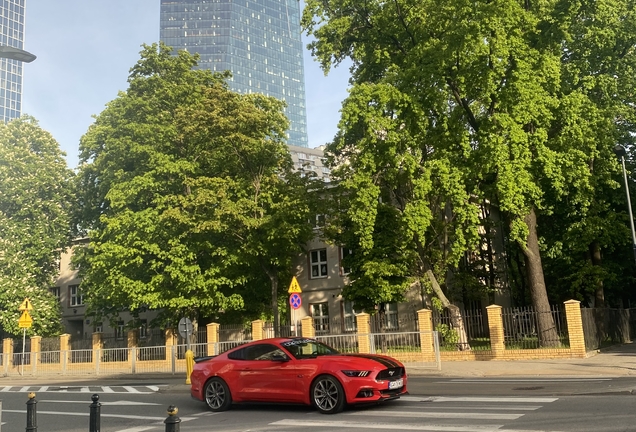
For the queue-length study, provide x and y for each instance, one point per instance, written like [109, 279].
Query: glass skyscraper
[257, 40]
[11, 34]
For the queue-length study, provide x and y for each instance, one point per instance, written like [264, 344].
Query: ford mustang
[295, 370]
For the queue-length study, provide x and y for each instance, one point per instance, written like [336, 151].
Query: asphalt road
[435, 404]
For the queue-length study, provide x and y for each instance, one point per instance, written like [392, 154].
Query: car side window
[262, 352]
[237, 355]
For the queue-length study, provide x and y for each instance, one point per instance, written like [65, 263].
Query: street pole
[620, 151]
[23, 348]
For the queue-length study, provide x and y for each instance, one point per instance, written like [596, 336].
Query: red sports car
[296, 370]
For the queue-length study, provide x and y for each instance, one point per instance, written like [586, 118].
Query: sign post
[185, 330]
[294, 301]
[24, 323]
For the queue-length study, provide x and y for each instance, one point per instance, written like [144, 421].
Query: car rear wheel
[217, 395]
[327, 395]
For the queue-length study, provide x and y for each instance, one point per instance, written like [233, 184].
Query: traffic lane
[522, 386]
[60, 411]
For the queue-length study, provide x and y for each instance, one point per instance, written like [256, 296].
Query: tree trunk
[273, 277]
[548, 336]
[595, 257]
[455, 315]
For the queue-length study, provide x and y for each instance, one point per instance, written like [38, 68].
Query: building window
[119, 332]
[99, 327]
[349, 315]
[318, 262]
[56, 292]
[75, 295]
[344, 254]
[391, 316]
[143, 329]
[320, 314]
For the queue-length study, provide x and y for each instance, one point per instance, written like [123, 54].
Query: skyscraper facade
[11, 34]
[257, 40]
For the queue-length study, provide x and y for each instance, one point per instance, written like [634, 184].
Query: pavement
[614, 361]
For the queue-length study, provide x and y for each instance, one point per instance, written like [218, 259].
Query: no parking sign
[295, 301]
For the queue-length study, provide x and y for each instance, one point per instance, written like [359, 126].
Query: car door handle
[245, 369]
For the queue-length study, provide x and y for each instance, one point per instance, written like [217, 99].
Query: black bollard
[32, 414]
[94, 422]
[173, 421]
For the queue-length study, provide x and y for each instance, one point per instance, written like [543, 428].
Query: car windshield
[308, 348]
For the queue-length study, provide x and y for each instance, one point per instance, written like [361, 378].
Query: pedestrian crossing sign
[25, 320]
[294, 287]
[26, 305]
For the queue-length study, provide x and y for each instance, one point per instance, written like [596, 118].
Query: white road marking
[511, 380]
[138, 429]
[85, 390]
[25, 389]
[6, 389]
[43, 389]
[153, 388]
[107, 389]
[205, 414]
[131, 389]
[492, 399]
[333, 425]
[114, 403]
[474, 407]
[441, 415]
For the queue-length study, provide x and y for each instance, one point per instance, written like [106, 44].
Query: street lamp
[16, 54]
[621, 153]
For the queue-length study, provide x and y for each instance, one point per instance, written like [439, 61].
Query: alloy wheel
[215, 395]
[326, 394]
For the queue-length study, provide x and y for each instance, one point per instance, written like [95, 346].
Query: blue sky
[85, 49]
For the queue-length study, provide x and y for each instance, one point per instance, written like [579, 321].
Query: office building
[11, 34]
[257, 40]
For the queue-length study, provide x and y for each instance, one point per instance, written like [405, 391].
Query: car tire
[327, 395]
[216, 395]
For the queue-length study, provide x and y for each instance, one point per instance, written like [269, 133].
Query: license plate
[396, 384]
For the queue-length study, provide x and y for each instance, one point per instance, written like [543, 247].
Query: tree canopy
[514, 104]
[35, 223]
[188, 195]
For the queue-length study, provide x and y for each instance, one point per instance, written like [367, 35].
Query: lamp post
[621, 153]
[12, 53]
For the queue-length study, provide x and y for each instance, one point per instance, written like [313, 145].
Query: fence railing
[476, 335]
[606, 326]
[521, 328]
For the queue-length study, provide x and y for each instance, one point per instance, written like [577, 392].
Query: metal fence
[605, 326]
[235, 332]
[343, 343]
[269, 330]
[476, 335]
[521, 328]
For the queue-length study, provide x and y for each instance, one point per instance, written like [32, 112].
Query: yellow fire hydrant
[189, 358]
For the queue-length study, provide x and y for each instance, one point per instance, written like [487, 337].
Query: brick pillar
[133, 338]
[575, 328]
[36, 348]
[171, 341]
[7, 353]
[65, 348]
[213, 338]
[495, 325]
[257, 330]
[364, 333]
[425, 324]
[307, 329]
[98, 344]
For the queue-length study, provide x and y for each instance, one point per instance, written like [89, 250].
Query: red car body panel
[290, 381]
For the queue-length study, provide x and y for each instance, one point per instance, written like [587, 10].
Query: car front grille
[391, 373]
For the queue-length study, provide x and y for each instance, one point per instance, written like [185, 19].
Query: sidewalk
[618, 360]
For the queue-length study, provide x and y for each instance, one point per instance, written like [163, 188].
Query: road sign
[295, 301]
[26, 305]
[294, 287]
[185, 327]
[25, 320]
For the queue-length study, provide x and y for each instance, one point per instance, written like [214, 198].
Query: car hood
[373, 360]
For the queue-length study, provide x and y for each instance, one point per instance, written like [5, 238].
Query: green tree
[35, 203]
[519, 97]
[189, 195]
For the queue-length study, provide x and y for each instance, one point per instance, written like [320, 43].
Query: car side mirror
[280, 358]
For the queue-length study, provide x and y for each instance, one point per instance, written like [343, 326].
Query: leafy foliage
[35, 200]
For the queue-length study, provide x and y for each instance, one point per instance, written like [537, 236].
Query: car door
[263, 375]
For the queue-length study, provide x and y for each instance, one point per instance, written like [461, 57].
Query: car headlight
[356, 373]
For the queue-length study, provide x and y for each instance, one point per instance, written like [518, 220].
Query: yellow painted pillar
[257, 330]
[98, 345]
[36, 348]
[495, 326]
[213, 338]
[307, 329]
[7, 353]
[171, 341]
[65, 350]
[364, 333]
[425, 327]
[575, 328]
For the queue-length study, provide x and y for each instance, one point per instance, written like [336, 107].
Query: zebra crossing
[112, 389]
[435, 414]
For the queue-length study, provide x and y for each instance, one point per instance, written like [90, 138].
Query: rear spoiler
[202, 359]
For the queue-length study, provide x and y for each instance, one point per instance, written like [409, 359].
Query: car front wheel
[327, 395]
[217, 395]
